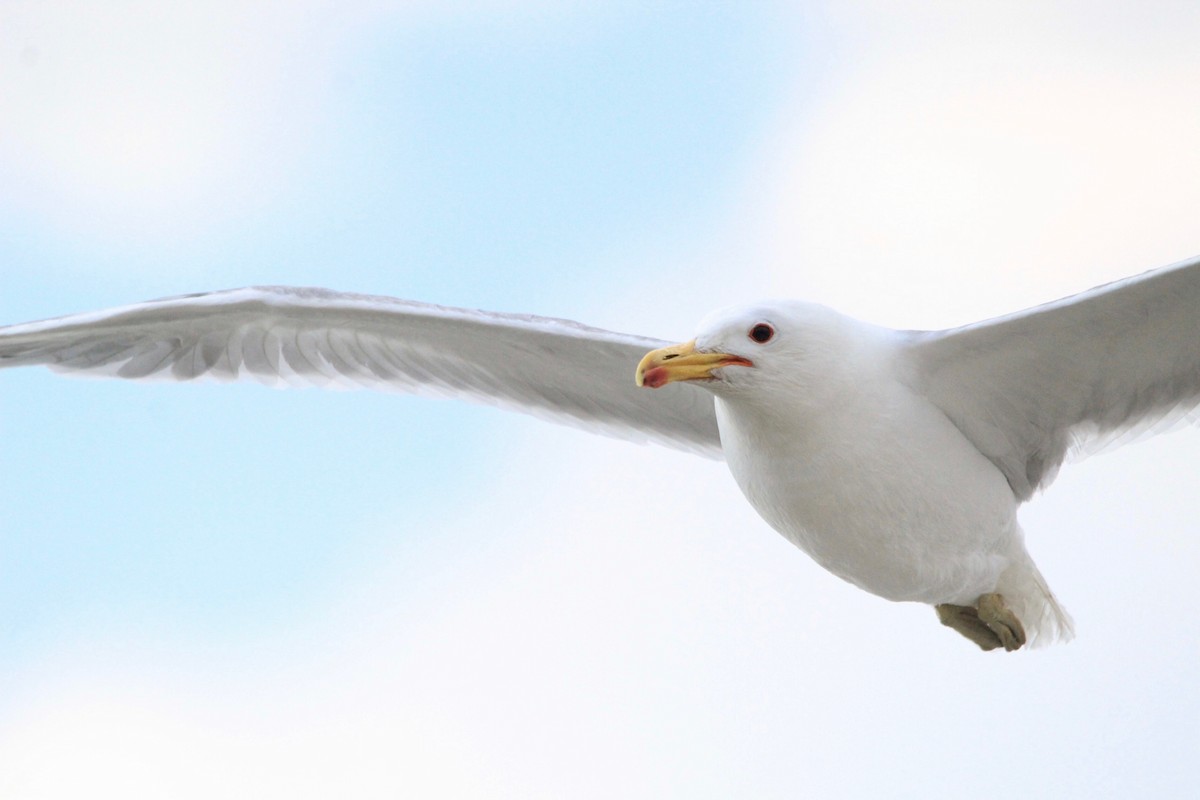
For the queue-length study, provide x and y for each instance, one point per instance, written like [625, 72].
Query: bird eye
[762, 333]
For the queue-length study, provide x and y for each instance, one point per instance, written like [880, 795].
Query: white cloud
[1029, 155]
[153, 119]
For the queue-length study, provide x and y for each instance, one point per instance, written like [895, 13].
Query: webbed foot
[989, 623]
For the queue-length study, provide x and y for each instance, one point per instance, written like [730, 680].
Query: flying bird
[896, 459]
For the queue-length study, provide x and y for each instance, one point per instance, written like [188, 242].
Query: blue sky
[347, 592]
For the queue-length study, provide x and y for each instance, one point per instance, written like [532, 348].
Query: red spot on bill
[654, 377]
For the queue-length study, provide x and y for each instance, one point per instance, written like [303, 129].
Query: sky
[228, 590]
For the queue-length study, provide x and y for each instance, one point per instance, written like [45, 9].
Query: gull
[896, 459]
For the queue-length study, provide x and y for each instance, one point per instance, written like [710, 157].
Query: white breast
[882, 490]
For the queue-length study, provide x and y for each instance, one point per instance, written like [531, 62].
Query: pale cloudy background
[237, 592]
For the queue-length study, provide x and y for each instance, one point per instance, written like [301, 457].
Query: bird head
[755, 348]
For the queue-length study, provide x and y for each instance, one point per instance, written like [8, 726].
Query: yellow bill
[682, 362]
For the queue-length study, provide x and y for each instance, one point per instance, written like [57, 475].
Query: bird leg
[988, 623]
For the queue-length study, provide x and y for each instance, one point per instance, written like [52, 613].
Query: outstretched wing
[551, 368]
[1026, 388]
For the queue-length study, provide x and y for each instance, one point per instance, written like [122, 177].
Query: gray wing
[550, 368]
[1029, 387]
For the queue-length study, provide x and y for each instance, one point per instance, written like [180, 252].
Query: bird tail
[1027, 595]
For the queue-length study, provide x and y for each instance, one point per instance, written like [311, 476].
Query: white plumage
[896, 459]
[279, 336]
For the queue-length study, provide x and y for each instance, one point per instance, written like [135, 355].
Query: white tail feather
[1027, 595]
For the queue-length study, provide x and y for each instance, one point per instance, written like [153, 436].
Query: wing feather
[314, 337]
[1075, 374]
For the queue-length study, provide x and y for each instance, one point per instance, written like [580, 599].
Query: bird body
[896, 459]
[878, 486]
[881, 490]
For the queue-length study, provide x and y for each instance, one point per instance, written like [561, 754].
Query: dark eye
[762, 333]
